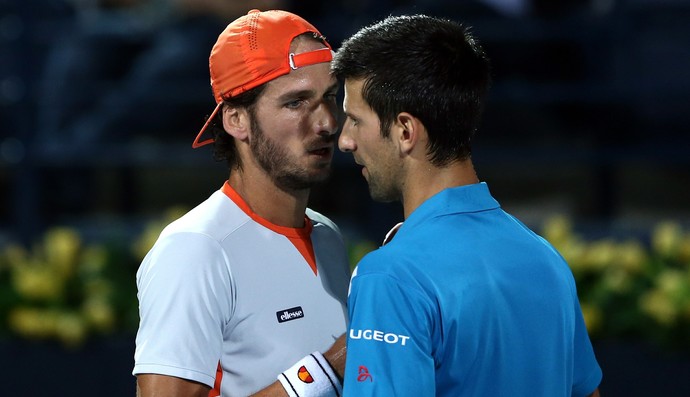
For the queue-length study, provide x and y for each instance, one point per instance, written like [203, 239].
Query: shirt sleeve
[586, 371]
[185, 297]
[389, 349]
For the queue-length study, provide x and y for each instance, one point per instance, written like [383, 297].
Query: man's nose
[345, 141]
[327, 123]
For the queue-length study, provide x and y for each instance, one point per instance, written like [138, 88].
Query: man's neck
[264, 198]
[424, 180]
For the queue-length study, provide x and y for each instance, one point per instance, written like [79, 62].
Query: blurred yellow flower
[93, 261]
[631, 256]
[632, 282]
[671, 282]
[99, 314]
[574, 252]
[141, 246]
[98, 288]
[153, 229]
[600, 255]
[670, 297]
[32, 323]
[557, 230]
[174, 212]
[15, 255]
[659, 306]
[63, 290]
[617, 280]
[70, 328]
[37, 282]
[592, 316]
[666, 238]
[61, 246]
[684, 250]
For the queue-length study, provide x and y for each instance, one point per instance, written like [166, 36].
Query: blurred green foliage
[64, 289]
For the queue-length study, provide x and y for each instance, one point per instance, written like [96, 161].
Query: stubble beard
[382, 188]
[280, 165]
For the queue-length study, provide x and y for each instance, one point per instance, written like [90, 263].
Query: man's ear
[409, 132]
[236, 122]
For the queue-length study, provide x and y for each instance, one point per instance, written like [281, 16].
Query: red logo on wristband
[304, 375]
[364, 374]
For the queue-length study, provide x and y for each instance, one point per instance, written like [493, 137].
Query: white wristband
[312, 376]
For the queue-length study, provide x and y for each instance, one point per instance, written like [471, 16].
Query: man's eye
[294, 104]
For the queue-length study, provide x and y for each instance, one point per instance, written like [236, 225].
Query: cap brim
[198, 142]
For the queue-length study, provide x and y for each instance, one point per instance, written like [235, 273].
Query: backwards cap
[255, 49]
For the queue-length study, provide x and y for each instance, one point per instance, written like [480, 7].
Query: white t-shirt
[230, 300]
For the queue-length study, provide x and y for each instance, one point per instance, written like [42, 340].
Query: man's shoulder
[215, 217]
[388, 259]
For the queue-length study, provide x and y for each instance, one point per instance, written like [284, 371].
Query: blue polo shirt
[466, 301]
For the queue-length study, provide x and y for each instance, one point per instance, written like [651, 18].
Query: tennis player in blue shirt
[463, 300]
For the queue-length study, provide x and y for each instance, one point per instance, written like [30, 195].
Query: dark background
[588, 115]
[100, 101]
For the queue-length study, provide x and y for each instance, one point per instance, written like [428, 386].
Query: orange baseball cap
[255, 49]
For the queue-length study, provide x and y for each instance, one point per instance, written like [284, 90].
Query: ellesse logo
[290, 314]
[304, 375]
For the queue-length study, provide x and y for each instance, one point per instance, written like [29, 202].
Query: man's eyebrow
[334, 87]
[305, 93]
[296, 94]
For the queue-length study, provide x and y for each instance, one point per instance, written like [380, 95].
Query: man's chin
[381, 196]
[304, 182]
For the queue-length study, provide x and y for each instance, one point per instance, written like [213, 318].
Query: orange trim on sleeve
[299, 237]
[215, 392]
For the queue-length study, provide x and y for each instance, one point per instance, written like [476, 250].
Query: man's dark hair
[430, 67]
[224, 148]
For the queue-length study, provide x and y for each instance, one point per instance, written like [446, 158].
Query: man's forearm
[335, 356]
